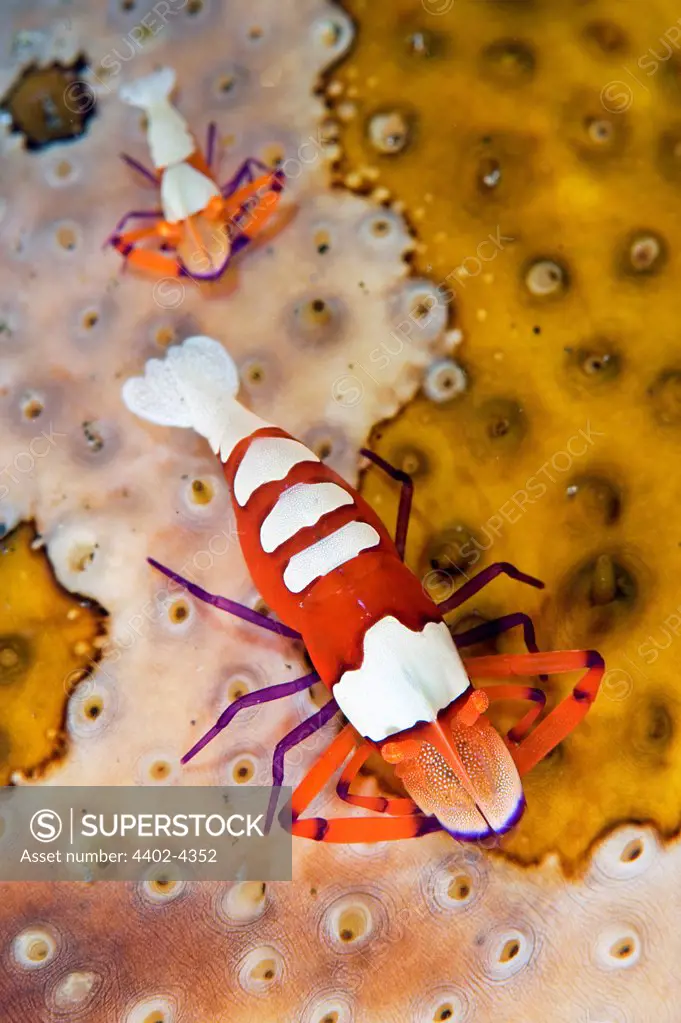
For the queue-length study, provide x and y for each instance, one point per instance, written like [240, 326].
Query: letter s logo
[45, 825]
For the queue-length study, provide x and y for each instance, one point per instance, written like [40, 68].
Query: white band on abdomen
[334, 550]
[303, 504]
[268, 459]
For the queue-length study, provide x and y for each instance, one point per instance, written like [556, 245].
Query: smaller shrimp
[204, 224]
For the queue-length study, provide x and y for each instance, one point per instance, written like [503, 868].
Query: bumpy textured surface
[391, 934]
[424, 931]
[547, 208]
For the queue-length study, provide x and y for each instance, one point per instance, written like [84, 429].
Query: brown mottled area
[50, 104]
[49, 640]
[535, 148]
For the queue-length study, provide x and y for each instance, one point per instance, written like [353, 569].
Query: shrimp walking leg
[278, 692]
[489, 630]
[140, 168]
[132, 215]
[293, 738]
[247, 172]
[396, 806]
[225, 604]
[569, 712]
[211, 137]
[406, 496]
[474, 585]
[348, 829]
[529, 694]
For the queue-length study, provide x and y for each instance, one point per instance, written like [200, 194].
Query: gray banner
[164, 833]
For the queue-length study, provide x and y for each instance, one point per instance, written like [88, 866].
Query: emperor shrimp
[325, 563]
[201, 225]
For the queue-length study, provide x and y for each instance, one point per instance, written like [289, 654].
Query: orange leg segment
[251, 210]
[247, 192]
[125, 242]
[536, 696]
[154, 263]
[563, 718]
[348, 829]
[397, 807]
[151, 261]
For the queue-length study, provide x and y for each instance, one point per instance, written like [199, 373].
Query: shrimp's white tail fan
[150, 90]
[195, 387]
[170, 140]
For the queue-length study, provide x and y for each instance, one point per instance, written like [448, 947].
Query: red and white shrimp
[204, 223]
[325, 563]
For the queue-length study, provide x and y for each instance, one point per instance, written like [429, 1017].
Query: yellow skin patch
[48, 640]
[542, 181]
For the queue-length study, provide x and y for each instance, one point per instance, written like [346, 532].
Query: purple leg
[140, 168]
[245, 173]
[296, 735]
[405, 496]
[475, 584]
[278, 692]
[488, 630]
[275, 185]
[133, 214]
[239, 610]
[140, 214]
[210, 143]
